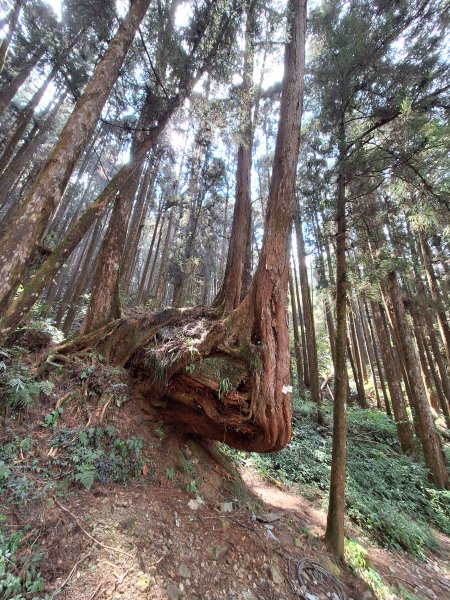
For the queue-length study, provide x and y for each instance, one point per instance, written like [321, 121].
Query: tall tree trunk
[23, 121]
[161, 281]
[25, 154]
[145, 272]
[231, 290]
[429, 438]
[104, 305]
[13, 20]
[370, 349]
[46, 193]
[302, 329]
[334, 534]
[138, 221]
[436, 296]
[297, 350]
[359, 379]
[393, 376]
[443, 402]
[426, 376]
[83, 278]
[375, 345]
[308, 316]
[9, 90]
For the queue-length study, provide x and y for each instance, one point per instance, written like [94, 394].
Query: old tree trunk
[226, 376]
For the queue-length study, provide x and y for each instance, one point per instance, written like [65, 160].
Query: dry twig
[86, 533]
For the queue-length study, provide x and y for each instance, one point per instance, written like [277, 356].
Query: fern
[85, 475]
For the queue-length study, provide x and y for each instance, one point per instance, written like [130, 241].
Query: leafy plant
[170, 473]
[19, 577]
[51, 419]
[97, 454]
[19, 388]
[225, 386]
[85, 475]
[192, 488]
[159, 431]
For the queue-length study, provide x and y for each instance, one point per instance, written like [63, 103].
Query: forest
[225, 253]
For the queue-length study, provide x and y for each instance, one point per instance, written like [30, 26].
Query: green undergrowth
[388, 494]
[78, 456]
[356, 557]
[20, 577]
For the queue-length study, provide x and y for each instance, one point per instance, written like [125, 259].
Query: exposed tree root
[197, 370]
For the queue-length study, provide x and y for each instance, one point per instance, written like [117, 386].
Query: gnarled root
[199, 371]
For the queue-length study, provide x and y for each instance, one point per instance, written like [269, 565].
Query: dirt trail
[426, 579]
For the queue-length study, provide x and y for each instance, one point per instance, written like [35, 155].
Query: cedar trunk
[334, 535]
[47, 191]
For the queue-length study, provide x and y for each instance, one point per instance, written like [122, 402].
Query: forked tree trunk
[46, 193]
[227, 378]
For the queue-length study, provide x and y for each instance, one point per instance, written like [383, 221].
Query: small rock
[226, 507]
[217, 552]
[173, 592]
[276, 574]
[184, 571]
[143, 583]
[248, 596]
[195, 504]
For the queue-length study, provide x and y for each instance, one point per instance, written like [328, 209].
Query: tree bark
[302, 329]
[23, 121]
[295, 327]
[359, 379]
[230, 293]
[13, 20]
[436, 296]
[334, 534]
[9, 90]
[376, 345]
[393, 377]
[308, 316]
[429, 438]
[46, 193]
[25, 154]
